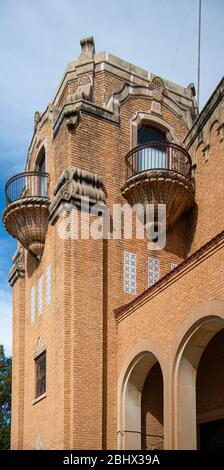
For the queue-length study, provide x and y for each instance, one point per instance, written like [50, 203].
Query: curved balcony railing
[158, 156]
[25, 185]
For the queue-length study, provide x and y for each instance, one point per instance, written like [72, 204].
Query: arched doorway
[188, 378]
[152, 409]
[210, 395]
[142, 404]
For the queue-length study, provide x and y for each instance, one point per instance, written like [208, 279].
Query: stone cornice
[207, 250]
[106, 62]
[18, 268]
[112, 110]
[74, 185]
[78, 106]
[207, 111]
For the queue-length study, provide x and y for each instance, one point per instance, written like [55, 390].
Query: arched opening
[153, 154]
[40, 164]
[201, 348]
[147, 133]
[210, 395]
[142, 404]
[152, 409]
[40, 167]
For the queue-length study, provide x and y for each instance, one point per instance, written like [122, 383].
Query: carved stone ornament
[40, 346]
[18, 268]
[84, 90]
[37, 118]
[157, 88]
[73, 186]
[87, 47]
[73, 120]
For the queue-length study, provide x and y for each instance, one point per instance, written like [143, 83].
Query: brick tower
[113, 134]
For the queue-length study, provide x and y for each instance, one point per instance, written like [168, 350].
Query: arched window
[40, 167]
[153, 155]
[41, 161]
[148, 134]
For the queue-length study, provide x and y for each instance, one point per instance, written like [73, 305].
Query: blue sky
[39, 37]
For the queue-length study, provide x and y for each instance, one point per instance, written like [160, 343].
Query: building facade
[118, 339]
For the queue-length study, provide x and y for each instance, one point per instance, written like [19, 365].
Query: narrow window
[153, 271]
[48, 285]
[40, 371]
[129, 272]
[32, 306]
[40, 295]
[40, 167]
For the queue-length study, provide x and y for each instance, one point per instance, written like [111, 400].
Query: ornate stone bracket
[18, 268]
[74, 185]
[73, 120]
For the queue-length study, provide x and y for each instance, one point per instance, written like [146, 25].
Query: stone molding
[18, 268]
[157, 121]
[70, 110]
[40, 347]
[73, 185]
[79, 102]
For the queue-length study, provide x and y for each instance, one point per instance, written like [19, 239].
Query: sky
[39, 37]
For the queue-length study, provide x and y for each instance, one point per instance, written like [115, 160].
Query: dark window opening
[150, 134]
[41, 167]
[211, 435]
[40, 371]
[154, 156]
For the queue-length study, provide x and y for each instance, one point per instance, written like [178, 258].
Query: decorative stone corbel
[73, 186]
[18, 268]
[73, 120]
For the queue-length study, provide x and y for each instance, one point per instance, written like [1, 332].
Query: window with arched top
[40, 164]
[152, 155]
[40, 167]
[148, 134]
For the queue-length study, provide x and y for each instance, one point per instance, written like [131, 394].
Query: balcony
[160, 173]
[26, 214]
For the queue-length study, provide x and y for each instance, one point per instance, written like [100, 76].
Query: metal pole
[199, 50]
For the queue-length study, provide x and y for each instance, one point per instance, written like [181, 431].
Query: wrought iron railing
[158, 439]
[25, 185]
[158, 156]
